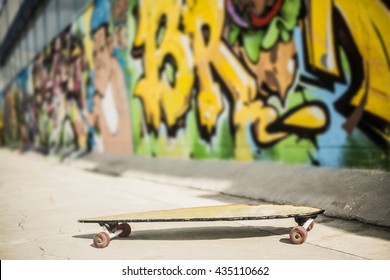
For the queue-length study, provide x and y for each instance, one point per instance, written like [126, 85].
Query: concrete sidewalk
[353, 194]
[41, 200]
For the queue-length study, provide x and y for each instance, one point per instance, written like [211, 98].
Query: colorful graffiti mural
[297, 81]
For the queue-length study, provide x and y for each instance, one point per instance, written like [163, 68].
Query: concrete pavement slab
[41, 200]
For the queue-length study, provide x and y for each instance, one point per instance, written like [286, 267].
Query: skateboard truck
[111, 230]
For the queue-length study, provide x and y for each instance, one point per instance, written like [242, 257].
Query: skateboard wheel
[101, 240]
[298, 235]
[126, 229]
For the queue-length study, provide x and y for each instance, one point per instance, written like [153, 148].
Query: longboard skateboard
[118, 225]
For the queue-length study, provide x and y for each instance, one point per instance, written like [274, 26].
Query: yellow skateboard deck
[211, 213]
[117, 225]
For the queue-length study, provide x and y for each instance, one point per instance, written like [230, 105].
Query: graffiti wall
[296, 81]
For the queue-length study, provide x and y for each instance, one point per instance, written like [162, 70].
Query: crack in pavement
[22, 220]
[44, 254]
[339, 251]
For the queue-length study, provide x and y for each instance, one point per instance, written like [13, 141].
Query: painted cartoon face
[122, 36]
[276, 69]
[57, 45]
[119, 9]
[259, 12]
[256, 7]
[10, 114]
[101, 52]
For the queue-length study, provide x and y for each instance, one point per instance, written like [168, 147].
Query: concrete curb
[362, 195]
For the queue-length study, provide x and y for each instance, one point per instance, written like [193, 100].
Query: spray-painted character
[110, 114]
